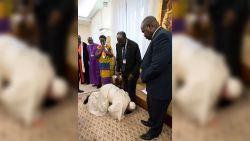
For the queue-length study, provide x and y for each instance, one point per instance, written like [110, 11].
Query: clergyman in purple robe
[94, 70]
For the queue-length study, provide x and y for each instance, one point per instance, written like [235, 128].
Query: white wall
[96, 24]
[127, 16]
[84, 31]
[102, 19]
[123, 15]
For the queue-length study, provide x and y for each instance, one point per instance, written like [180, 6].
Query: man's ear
[148, 28]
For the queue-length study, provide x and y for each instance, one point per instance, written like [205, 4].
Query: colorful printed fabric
[4, 25]
[180, 9]
[106, 66]
[112, 62]
[5, 11]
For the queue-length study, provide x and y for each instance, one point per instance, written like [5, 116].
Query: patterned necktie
[123, 58]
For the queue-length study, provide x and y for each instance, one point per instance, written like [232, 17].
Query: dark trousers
[129, 86]
[80, 77]
[228, 42]
[86, 74]
[53, 42]
[157, 112]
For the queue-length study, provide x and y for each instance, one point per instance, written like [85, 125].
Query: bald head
[90, 40]
[150, 20]
[149, 26]
[121, 38]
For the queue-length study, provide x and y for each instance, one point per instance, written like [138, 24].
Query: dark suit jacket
[157, 66]
[43, 9]
[85, 53]
[133, 58]
[218, 8]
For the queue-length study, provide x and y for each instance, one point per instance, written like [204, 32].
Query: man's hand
[139, 80]
[229, 18]
[105, 50]
[55, 18]
[117, 73]
[102, 47]
[130, 77]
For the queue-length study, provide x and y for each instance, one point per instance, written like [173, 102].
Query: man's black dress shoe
[80, 91]
[146, 123]
[127, 112]
[147, 136]
[99, 86]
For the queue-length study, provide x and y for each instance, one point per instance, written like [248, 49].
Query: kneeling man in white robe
[27, 78]
[110, 99]
[204, 77]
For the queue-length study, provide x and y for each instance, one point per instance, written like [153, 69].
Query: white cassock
[30, 75]
[204, 75]
[98, 103]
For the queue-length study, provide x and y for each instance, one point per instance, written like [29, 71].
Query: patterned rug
[93, 128]
[56, 124]
[87, 88]
[230, 124]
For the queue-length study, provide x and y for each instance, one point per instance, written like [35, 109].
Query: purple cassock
[94, 69]
[4, 25]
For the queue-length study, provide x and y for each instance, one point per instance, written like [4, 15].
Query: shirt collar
[126, 43]
[156, 31]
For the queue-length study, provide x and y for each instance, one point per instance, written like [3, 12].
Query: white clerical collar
[156, 31]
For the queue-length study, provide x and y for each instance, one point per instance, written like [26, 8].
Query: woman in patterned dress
[105, 55]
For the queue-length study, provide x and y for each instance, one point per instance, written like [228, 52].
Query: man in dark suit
[157, 74]
[54, 18]
[229, 18]
[86, 62]
[128, 62]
